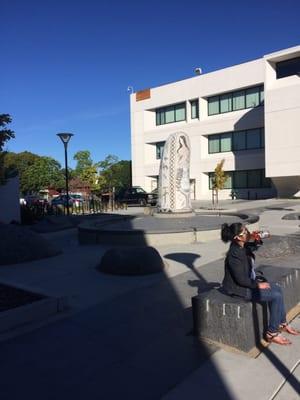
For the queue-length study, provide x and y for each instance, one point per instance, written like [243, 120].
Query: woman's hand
[263, 285]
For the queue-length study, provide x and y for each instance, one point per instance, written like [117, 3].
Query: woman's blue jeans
[274, 298]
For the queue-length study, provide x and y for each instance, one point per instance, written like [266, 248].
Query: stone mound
[291, 216]
[131, 261]
[20, 244]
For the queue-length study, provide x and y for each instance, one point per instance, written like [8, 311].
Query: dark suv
[137, 195]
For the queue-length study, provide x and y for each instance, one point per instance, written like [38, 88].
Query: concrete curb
[88, 234]
[34, 312]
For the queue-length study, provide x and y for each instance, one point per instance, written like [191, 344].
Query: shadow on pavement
[135, 346]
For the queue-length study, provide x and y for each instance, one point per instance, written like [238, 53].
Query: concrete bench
[237, 324]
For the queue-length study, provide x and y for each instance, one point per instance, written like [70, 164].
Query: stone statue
[174, 175]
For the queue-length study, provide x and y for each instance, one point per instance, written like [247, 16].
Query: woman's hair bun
[228, 232]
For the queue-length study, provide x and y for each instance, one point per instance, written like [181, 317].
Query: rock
[131, 261]
[20, 244]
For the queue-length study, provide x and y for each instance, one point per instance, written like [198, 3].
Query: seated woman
[240, 280]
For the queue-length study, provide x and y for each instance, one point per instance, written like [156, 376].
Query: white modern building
[247, 114]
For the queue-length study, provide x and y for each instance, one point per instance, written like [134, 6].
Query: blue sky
[66, 64]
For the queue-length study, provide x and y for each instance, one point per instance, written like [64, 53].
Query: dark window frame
[260, 89]
[291, 70]
[162, 112]
[219, 136]
[195, 101]
[159, 151]
[233, 174]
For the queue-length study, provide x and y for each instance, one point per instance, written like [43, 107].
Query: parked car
[33, 200]
[136, 195]
[74, 200]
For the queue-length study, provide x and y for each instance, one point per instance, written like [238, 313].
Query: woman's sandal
[288, 329]
[275, 337]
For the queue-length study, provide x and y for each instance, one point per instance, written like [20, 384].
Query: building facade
[247, 114]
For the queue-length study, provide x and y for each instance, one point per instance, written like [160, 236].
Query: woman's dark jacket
[237, 280]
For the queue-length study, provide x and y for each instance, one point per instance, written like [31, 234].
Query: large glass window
[288, 68]
[225, 103]
[173, 113]
[214, 144]
[253, 139]
[246, 179]
[226, 142]
[254, 178]
[213, 105]
[228, 183]
[180, 112]
[252, 97]
[240, 179]
[194, 109]
[159, 150]
[170, 115]
[237, 100]
[237, 140]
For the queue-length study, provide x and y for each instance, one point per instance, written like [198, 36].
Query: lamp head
[65, 137]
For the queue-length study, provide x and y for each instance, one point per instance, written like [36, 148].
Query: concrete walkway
[130, 337]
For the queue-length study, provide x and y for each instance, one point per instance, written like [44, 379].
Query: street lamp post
[65, 137]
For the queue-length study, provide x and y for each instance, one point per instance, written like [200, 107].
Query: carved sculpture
[174, 175]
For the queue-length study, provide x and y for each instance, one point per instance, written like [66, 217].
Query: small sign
[143, 95]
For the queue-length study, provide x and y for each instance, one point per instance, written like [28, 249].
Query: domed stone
[131, 261]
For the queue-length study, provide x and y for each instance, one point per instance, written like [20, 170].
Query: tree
[118, 175]
[44, 172]
[218, 181]
[19, 163]
[5, 135]
[85, 169]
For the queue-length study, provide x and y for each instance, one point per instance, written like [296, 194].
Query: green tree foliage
[219, 179]
[5, 134]
[44, 172]
[35, 172]
[118, 175]
[103, 175]
[85, 169]
[19, 163]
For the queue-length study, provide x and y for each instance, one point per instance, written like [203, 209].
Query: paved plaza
[131, 337]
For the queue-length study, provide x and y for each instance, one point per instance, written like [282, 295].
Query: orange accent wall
[143, 94]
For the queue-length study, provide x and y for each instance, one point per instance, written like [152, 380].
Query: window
[228, 183]
[159, 150]
[173, 113]
[288, 68]
[252, 97]
[236, 140]
[254, 139]
[140, 190]
[214, 144]
[213, 105]
[194, 109]
[226, 140]
[225, 103]
[239, 140]
[237, 100]
[254, 178]
[247, 179]
[240, 179]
